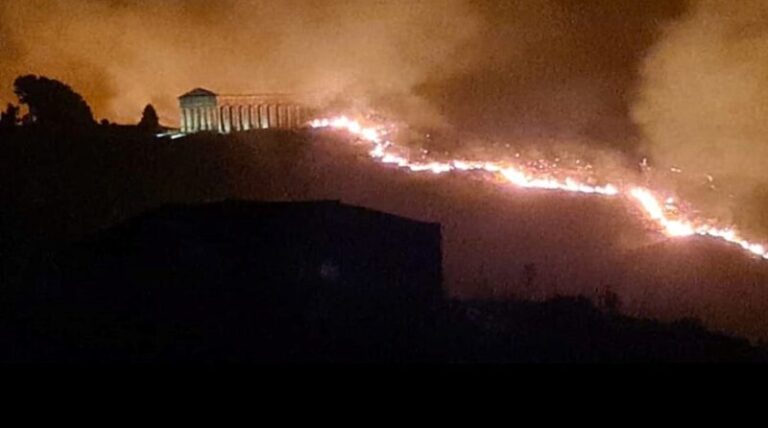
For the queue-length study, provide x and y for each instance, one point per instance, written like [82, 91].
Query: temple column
[289, 116]
[183, 120]
[277, 116]
[264, 116]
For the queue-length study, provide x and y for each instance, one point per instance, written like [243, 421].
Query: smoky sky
[123, 54]
[518, 67]
[683, 82]
[703, 105]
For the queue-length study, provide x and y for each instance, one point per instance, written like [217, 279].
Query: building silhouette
[236, 281]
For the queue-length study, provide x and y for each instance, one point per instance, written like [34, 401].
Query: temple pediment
[199, 92]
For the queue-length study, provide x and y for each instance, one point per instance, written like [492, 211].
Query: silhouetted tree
[52, 103]
[149, 121]
[10, 117]
[609, 300]
[529, 275]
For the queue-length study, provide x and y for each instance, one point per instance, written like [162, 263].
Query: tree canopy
[52, 103]
[149, 120]
[10, 117]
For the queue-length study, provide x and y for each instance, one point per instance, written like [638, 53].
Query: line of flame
[642, 197]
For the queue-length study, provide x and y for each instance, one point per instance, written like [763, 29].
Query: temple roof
[199, 92]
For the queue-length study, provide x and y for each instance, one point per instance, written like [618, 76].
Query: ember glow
[661, 211]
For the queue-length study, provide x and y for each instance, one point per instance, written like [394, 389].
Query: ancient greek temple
[203, 110]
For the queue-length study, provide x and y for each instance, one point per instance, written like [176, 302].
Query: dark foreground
[302, 282]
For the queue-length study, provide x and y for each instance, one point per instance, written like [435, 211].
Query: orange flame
[648, 203]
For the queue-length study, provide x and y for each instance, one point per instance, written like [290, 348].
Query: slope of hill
[61, 188]
[699, 278]
[304, 282]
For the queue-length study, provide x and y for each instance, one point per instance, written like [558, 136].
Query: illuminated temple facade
[204, 110]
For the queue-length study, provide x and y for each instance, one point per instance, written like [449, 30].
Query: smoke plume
[121, 54]
[703, 105]
[495, 68]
